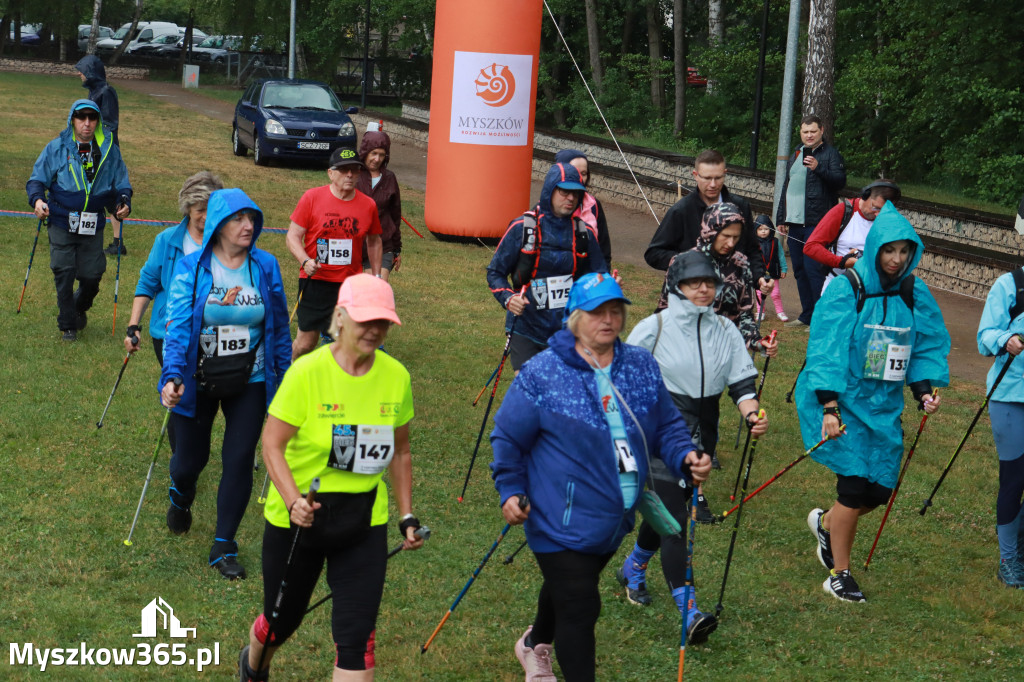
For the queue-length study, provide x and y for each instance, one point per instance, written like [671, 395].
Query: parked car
[218, 49]
[145, 32]
[165, 47]
[29, 34]
[83, 35]
[281, 118]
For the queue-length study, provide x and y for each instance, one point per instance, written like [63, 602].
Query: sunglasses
[86, 115]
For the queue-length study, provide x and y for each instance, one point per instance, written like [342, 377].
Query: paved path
[631, 230]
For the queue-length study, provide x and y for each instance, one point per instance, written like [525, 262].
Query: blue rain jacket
[556, 258]
[551, 441]
[58, 171]
[185, 320]
[994, 330]
[871, 409]
[157, 273]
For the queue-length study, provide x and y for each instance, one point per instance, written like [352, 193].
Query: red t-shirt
[335, 231]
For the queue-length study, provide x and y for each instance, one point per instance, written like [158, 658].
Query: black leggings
[673, 548]
[243, 415]
[158, 348]
[355, 574]
[567, 609]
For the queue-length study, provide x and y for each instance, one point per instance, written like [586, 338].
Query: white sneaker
[783, 317]
[536, 661]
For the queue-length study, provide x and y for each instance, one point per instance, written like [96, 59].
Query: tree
[593, 43]
[716, 32]
[679, 65]
[128, 36]
[819, 74]
[94, 37]
[655, 20]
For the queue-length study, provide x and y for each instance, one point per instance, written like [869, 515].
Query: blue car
[284, 118]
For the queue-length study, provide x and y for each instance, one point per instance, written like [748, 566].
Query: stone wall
[65, 68]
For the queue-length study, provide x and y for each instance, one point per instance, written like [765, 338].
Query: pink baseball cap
[365, 298]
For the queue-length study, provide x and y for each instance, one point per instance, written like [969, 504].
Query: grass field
[68, 490]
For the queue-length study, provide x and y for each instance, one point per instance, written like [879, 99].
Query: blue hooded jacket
[100, 91]
[59, 171]
[158, 272]
[557, 258]
[551, 441]
[994, 331]
[185, 317]
[871, 409]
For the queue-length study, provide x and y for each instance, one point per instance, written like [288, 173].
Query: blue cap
[571, 186]
[593, 289]
[85, 104]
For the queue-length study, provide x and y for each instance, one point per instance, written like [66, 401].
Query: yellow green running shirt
[346, 426]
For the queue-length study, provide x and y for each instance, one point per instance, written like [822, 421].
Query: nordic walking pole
[949, 465]
[412, 228]
[481, 393]
[688, 588]
[31, 256]
[302, 290]
[789, 466]
[149, 474]
[523, 504]
[512, 557]
[262, 499]
[117, 285]
[896, 490]
[736, 525]
[739, 427]
[760, 387]
[422, 532]
[490, 401]
[314, 486]
[127, 357]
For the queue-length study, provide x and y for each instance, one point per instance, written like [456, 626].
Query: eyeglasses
[698, 282]
[86, 115]
[711, 178]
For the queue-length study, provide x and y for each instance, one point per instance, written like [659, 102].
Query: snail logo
[495, 87]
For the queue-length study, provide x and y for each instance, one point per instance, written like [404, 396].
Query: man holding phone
[815, 174]
[77, 179]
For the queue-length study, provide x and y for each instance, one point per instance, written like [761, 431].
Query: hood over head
[567, 156]
[86, 104]
[92, 68]
[223, 204]
[889, 226]
[560, 175]
[690, 265]
[375, 139]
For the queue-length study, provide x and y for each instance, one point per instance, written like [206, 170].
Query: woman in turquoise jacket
[1001, 333]
[229, 344]
[864, 348]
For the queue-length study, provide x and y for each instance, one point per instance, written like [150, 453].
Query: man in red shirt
[326, 236]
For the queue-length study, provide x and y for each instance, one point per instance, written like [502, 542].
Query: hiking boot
[81, 320]
[704, 514]
[715, 464]
[1011, 573]
[795, 323]
[536, 660]
[635, 595]
[700, 627]
[68, 335]
[823, 537]
[841, 585]
[229, 567]
[247, 674]
[179, 519]
[114, 247]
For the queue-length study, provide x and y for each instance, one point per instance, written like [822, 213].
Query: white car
[144, 33]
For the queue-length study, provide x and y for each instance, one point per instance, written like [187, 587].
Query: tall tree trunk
[819, 74]
[128, 36]
[186, 46]
[716, 33]
[593, 43]
[654, 22]
[679, 59]
[97, 5]
[628, 17]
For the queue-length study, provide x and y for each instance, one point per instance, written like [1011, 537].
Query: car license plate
[314, 145]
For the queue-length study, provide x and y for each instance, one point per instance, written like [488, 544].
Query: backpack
[847, 216]
[1018, 283]
[529, 252]
[906, 290]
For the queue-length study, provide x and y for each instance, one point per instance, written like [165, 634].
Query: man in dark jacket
[680, 227]
[94, 79]
[814, 176]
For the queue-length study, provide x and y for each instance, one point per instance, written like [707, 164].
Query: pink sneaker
[536, 661]
[783, 317]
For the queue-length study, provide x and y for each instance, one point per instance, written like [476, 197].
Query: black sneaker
[701, 627]
[179, 520]
[823, 537]
[247, 674]
[81, 319]
[68, 335]
[841, 585]
[704, 514]
[640, 596]
[715, 464]
[113, 248]
[229, 567]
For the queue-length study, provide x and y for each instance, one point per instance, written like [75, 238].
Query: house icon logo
[158, 614]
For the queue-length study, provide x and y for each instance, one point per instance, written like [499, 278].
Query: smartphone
[807, 152]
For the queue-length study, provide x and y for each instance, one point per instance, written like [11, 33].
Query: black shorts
[522, 349]
[319, 298]
[857, 492]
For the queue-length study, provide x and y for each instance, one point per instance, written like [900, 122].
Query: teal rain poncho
[871, 408]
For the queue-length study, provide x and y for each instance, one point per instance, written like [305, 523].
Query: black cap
[690, 265]
[345, 156]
